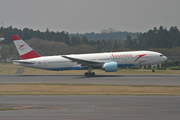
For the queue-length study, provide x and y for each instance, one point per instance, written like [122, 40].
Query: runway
[162, 80]
[91, 107]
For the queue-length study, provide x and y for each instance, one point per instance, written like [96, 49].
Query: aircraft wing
[84, 62]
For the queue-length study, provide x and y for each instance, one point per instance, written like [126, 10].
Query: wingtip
[15, 37]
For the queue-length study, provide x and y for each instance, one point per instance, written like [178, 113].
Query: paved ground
[91, 107]
[166, 80]
[95, 107]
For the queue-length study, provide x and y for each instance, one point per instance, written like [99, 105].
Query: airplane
[109, 62]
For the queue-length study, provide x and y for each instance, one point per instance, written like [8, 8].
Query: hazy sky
[90, 15]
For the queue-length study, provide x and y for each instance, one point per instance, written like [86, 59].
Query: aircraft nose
[166, 59]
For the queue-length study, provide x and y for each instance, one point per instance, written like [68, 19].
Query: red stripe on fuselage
[29, 55]
[140, 56]
[15, 37]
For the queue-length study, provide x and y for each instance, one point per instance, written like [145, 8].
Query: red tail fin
[25, 51]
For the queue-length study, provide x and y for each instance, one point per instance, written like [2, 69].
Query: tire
[86, 74]
[93, 73]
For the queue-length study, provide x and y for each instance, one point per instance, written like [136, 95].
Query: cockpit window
[161, 55]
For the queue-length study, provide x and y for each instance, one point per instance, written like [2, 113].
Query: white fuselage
[131, 58]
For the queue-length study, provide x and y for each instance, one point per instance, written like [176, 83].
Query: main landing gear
[89, 73]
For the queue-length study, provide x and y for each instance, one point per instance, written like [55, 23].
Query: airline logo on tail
[25, 51]
[21, 46]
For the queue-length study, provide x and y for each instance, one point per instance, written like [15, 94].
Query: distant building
[109, 30]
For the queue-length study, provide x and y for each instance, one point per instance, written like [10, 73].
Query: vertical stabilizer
[25, 51]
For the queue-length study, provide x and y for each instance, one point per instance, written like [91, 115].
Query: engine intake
[110, 67]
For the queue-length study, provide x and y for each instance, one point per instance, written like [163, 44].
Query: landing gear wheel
[93, 73]
[86, 74]
[89, 74]
[153, 70]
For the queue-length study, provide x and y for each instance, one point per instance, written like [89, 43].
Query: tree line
[27, 34]
[69, 39]
[156, 38]
[107, 36]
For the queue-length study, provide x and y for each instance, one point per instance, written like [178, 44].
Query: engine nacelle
[110, 67]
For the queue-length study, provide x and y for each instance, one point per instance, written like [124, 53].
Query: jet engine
[110, 67]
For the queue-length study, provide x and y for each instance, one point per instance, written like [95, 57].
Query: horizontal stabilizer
[24, 62]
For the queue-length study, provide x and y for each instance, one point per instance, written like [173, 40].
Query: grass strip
[63, 89]
[6, 109]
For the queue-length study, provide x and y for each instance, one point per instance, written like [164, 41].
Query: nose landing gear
[153, 70]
